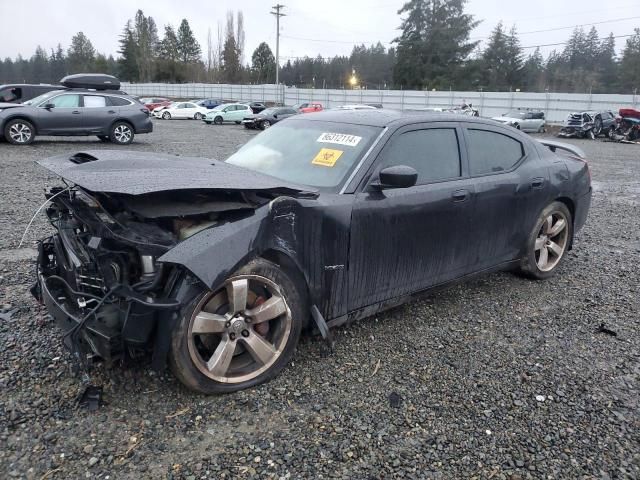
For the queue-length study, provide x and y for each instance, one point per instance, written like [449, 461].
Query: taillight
[145, 111]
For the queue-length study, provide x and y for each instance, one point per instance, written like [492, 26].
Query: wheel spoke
[544, 257]
[206, 322]
[272, 308]
[540, 241]
[555, 248]
[558, 227]
[548, 223]
[261, 350]
[237, 293]
[219, 362]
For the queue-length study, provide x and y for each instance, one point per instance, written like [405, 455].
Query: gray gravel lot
[497, 378]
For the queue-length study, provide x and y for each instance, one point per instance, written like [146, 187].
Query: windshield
[514, 114]
[318, 154]
[40, 98]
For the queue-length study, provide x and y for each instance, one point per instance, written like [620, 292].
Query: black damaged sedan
[218, 267]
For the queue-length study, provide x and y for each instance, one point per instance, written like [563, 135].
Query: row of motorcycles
[626, 127]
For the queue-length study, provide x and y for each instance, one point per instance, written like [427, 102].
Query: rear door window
[492, 152]
[94, 101]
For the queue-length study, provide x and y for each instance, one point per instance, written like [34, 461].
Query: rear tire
[548, 242]
[197, 116]
[121, 133]
[265, 124]
[214, 350]
[19, 132]
[597, 127]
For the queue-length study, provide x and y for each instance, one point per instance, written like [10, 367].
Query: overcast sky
[326, 27]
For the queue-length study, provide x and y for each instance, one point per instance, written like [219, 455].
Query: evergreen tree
[40, 66]
[630, 64]
[128, 61]
[57, 64]
[81, 54]
[188, 47]
[263, 63]
[434, 42]
[533, 72]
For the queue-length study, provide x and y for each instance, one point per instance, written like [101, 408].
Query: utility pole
[276, 11]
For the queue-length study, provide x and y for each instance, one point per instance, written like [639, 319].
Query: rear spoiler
[565, 147]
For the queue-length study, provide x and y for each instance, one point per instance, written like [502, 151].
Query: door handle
[460, 195]
[537, 182]
[111, 111]
[76, 112]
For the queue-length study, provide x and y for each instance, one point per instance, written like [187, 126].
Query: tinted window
[119, 101]
[65, 101]
[94, 101]
[10, 94]
[434, 153]
[491, 152]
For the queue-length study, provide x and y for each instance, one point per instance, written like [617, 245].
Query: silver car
[525, 120]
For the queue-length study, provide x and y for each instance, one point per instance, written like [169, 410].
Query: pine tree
[188, 47]
[57, 64]
[533, 72]
[434, 42]
[81, 54]
[263, 63]
[630, 64]
[128, 61]
[40, 66]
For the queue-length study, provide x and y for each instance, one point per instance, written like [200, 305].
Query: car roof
[385, 118]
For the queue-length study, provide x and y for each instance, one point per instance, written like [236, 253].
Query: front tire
[241, 335]
[166, 116]
[19, 132]
[121, 133]
[265, 124]
[548, 242]
[218, 120]
[597, 127]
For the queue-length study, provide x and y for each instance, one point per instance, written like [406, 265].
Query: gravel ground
[498, 378]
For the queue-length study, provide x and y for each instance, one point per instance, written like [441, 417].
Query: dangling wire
[38, 211]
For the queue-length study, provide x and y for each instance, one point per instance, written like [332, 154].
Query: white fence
[555, 105]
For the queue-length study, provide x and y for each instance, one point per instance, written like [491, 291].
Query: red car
[155, 102]
[308, 107]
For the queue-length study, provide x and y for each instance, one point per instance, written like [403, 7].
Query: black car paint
[366, 249]
[256, 119]
[19, 92]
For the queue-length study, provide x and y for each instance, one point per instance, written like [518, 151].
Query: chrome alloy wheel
[20, 132]
[551, 242]
[238, 332]
[122, 133]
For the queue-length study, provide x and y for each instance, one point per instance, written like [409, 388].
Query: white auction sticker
[340, 139]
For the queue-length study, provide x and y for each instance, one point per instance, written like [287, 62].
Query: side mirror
[398, 176]
[49, 106]
[275, 115]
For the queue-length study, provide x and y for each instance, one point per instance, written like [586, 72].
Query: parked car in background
[181, 110]
[154, 102]
[231, 265]
[627, 126]
[588, 124]
[228, 112]
[110, 115]
[21, 92]
[257, 107]
[268, 117]
[208, 103]
[308, 107]
[525, 120]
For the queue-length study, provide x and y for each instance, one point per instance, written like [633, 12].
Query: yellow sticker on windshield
[327, 157]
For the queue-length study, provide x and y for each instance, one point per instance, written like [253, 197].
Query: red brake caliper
[261, 328]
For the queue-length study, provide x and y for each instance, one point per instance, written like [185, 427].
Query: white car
[180, 110]
[525, 120]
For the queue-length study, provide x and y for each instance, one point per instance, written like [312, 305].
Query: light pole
[276, 11]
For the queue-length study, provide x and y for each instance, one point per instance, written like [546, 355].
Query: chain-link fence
[555, 105]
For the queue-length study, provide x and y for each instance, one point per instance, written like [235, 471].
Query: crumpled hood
[506, 119]
[137, 173]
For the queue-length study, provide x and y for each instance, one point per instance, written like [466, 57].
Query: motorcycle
[627, 126]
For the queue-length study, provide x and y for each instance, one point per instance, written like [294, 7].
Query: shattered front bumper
[92, 327]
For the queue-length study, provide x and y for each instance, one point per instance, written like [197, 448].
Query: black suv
[21, 92]
[86, 105]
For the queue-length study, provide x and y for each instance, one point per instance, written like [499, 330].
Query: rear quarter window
[492, 152]
[119, 101]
